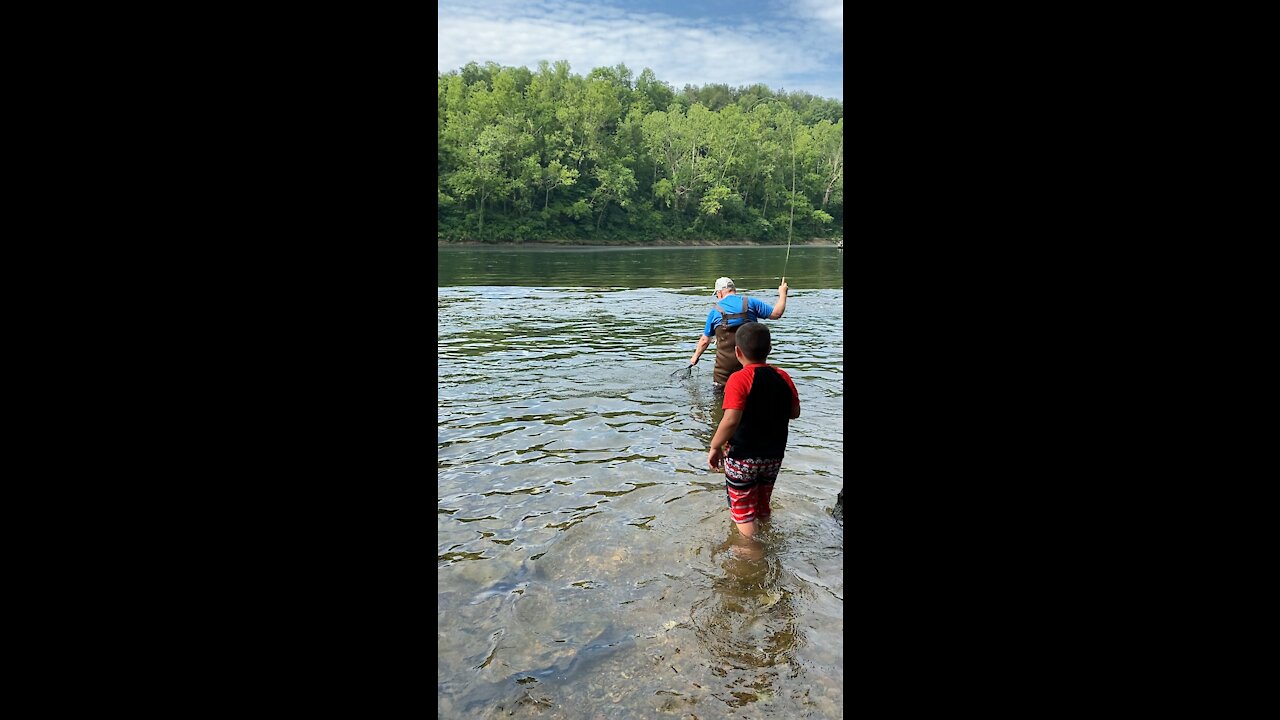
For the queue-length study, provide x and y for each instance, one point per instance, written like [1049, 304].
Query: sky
[785, 44]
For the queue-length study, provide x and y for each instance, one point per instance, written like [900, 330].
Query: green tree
[616, 156]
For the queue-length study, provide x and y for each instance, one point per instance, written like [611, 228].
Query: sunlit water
[584, 560]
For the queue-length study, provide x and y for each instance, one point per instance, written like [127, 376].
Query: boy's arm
[728, 424]
[795, 398]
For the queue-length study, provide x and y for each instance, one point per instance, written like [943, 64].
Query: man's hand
[782, 289]
[715, 458]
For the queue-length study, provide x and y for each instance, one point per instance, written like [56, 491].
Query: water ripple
[575, 510]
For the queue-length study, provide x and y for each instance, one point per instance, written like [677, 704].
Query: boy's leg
[745, 547]
[767, 474]
[743, 491]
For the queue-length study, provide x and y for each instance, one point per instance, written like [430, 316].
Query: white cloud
[679, 51]
[829, 13]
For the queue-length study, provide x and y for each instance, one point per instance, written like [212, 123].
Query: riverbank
[831, 242]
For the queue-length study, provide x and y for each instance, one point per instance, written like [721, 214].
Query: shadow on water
[705, 404]
[533, 689]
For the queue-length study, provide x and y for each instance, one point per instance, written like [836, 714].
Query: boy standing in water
[760, 401]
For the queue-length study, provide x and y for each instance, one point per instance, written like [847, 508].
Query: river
[585, 567]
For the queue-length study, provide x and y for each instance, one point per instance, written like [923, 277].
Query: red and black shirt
[766, 396]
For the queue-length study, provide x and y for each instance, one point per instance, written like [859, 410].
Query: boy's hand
[782, 289]
[715, 458]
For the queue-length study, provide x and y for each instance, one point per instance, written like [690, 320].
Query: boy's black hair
[753, 338]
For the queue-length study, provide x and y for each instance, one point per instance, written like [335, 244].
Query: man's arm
[728, 424]
[703, 342]
[781, 307]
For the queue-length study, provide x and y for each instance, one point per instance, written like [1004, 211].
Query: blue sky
[785, 44]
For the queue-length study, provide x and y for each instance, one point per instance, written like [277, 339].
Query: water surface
[585, 557]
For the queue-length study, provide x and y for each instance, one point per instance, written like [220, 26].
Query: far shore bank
[632, 244]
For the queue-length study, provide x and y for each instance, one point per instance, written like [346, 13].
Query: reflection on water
[748, 622]
[615, 267]
[587, 565]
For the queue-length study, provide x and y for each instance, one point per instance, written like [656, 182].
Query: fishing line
[791, 222]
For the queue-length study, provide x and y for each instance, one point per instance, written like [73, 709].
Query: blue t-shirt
[733, 304]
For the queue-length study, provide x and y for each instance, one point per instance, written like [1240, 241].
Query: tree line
[551, 155]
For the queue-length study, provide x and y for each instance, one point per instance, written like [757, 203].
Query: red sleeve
[736, 390]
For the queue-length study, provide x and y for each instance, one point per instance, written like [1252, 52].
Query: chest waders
[726, 340]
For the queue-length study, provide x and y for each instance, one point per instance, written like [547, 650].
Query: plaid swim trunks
[748, 483]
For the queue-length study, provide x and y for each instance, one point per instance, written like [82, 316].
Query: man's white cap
[723, 283]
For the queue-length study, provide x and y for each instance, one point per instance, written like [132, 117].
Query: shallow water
[586, 562]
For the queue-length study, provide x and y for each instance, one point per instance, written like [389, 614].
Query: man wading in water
[730, 312]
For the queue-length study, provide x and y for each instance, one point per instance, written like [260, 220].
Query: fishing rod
[791, 220]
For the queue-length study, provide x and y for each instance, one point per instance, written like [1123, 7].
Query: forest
[613, 158]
